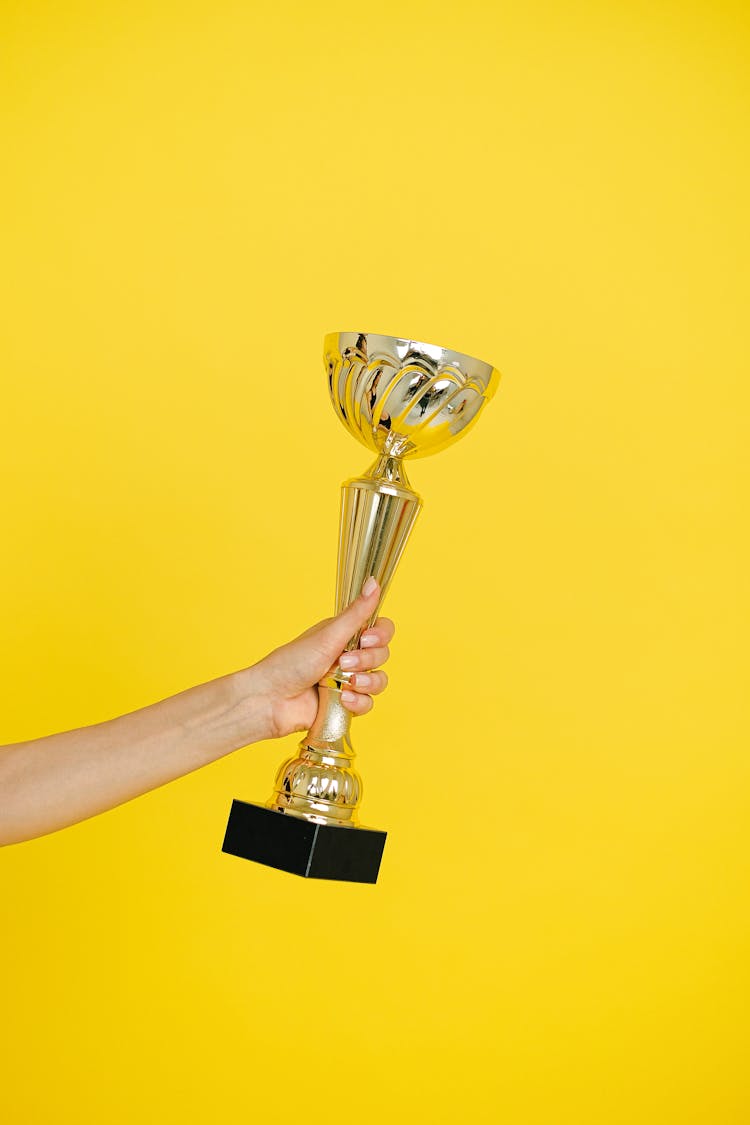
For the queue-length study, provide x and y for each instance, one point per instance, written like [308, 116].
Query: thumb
[336, 633]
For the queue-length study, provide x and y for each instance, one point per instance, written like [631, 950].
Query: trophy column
[318, 790]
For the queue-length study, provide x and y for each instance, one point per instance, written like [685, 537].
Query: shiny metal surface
[375, 522]
[402, 399]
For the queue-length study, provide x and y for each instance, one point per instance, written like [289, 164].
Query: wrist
[248, 713]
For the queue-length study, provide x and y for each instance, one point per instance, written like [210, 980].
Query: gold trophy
[402, 399]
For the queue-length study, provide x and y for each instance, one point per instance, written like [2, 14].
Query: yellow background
[192, 195]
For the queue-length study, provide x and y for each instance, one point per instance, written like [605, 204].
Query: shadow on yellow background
[193, 195]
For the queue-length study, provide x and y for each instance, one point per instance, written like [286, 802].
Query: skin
[49, 783]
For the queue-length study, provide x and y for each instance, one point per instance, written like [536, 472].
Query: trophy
[402, 399]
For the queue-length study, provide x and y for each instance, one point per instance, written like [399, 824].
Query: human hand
[286, 678]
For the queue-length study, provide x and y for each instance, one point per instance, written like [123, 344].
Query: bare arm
[51, 782]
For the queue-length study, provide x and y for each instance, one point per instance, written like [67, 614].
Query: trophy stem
[320, 784]
[378, 512]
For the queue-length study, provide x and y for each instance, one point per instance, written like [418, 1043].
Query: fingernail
[362, 680]
[348, 660]
[368, 642]
[369, 587]
[348, 696]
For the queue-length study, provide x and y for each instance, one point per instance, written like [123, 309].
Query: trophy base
[315, 851]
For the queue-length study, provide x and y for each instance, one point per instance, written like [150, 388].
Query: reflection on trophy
[402, 399]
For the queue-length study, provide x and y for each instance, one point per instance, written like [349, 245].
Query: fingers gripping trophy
[402, 399]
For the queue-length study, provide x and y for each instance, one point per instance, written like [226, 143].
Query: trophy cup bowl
[402, 399]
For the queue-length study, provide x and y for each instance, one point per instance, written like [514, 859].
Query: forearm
[51, 782]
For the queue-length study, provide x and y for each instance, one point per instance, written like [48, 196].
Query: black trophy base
[315, 851]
